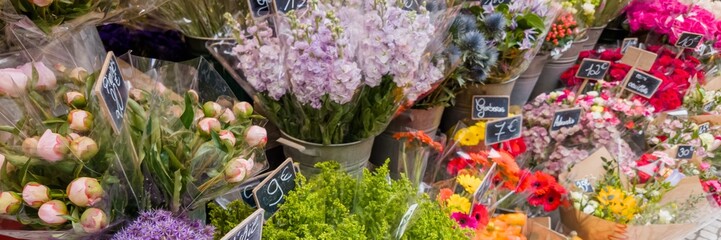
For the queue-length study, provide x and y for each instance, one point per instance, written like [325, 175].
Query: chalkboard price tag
[708, 107]
[259, 7]
[250, 229]
[495, 2]
[684, 152]
[703, 128]
[411, 5]
[112, 92]
[643, 84]
[503, 130]
[284, 6]
[490, 107]
[689, 40]
[628, 42]
[271, 192]
[566, 118]
[593, 69]
[584, 185]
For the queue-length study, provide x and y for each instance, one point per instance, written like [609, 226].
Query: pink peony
[85, 191]
[52, 147]
[12, 82]
[51, 212]
[46, 77]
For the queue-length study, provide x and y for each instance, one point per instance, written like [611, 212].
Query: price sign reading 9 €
[113, 92]
[271, 192]
[503, 130]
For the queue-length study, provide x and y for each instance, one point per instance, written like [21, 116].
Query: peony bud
[243, 109]
[78, 74]
[212, 109]
[206, 125]
[85, 191]
[12, 82]
[10, 203]
[256, 136]
[46, 77]
[30, 146]
[10, 167]
[227, 117]
[227, 137]
[60, 67]
[35, 194]
[51, 212]
[83, 148]
[237, 169]
[52, 147]
[80, 120]
[75, 99]
[93, 220]
[194, 97]
[137, 95]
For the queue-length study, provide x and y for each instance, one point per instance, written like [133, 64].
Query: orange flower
[421, 137]
[444, 195]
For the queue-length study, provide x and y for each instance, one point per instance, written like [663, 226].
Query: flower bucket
[386, 147]
[528, 79]
[353, 157]
[593, 34]
[551, 75]
[464, 101]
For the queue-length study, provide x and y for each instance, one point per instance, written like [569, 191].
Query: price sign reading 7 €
[503, 130]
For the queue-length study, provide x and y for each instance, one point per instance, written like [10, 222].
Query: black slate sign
[503, 130]
[566, 118]
[708, 107]
[284, 6]
[642, 83]
[489, 107]
[495, 2]
[411, 5]
[703, 128]
[593, 69]
[684, 152]
[628, 42]
[112, 91]
[585, 185]
[259, 7]
[250, 229]
[271, 192]
[689, 40]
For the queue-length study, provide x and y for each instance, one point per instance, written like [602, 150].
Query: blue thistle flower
[454, 53]
[495, 23]
[464, 23]
[472, 41]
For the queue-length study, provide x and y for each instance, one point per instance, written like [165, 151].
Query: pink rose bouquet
[670, 18]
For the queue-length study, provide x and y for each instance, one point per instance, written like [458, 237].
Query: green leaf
[532, 21]
[188, 114]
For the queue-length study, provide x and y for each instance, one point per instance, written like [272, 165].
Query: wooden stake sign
[592, 69]
[637, 59]
[250, 229]
[112, 92]
[490, 107]
[271, 192]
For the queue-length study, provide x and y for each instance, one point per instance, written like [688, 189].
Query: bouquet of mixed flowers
[62, 164]
[346, 66]
[670, 18]
[595, 13]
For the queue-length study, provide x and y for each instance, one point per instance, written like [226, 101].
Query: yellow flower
[469, 182]
[610, 196]
[471, 136]
[456, 203]
[597, 109]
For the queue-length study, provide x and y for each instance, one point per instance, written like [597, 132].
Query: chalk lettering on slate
[411, 5]
[249, 229]
[486, 107]
[270, 193]
[708, 107]
[503, 130]
[259, 7]
[593, 69]
[628, 42]
[566, 118]
[689, 40]
[584, 185]
[495, 2]
[703, 128]
[684, 152]
[643, 84]
[113, 92]
[285, 6]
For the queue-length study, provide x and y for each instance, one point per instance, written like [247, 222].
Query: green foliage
[335, 205]
[225, 220]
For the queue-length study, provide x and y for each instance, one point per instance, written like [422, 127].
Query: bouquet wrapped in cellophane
[195, 140]
[201, 19]
[63, 166]
[345, 66]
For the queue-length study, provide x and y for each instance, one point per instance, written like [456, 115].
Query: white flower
[589, 8]
[589, 209]
[576, 196]
[706, 138]
[664, 216]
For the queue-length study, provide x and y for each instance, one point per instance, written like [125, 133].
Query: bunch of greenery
[225, 220]
[335, 205]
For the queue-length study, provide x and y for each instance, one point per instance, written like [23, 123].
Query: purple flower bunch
[161, 224]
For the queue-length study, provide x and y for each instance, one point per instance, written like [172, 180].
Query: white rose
[589, 209]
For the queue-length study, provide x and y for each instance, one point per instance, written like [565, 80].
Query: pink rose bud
[75, 99]
[10, 203]
[30, 146]
[51, 212]
[42, 3]
[83, 148]
[60, 67]
[78, 74]
[35, 194]
[212, 109]
[80, 120]
[243, 109]
[227, 117]
[237, 169]
[206, 125]
[93, 220]
[85, 191]
[227, 137]
[46, 77]
[256, 136]
[12, 82]
[52, 147]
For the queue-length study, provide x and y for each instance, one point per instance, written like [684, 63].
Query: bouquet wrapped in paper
[63, 165]
[195, 140]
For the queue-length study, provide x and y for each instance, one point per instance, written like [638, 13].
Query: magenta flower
[464, 220]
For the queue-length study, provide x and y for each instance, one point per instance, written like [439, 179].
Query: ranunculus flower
[75, 99]
[52, 147]
[35, 194]
[51, 212]
[12, 82]
[206, 125]
[80, 120]
[46, 77]
[10, 203]
[237, 169]
[227, 117]
[30, 146]
[243, 109]
[256, 136]
[83, 148]
[212, 109]
[93, 220]
[85, 191]
[228, 137]
[78, 74]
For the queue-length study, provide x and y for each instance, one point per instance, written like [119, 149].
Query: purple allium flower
[161, 224]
